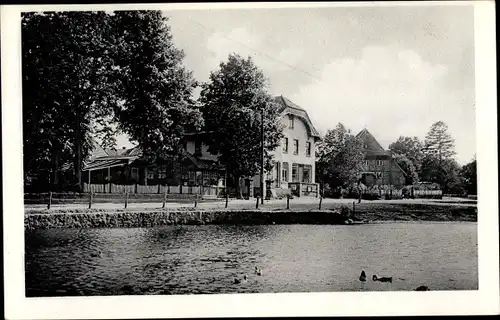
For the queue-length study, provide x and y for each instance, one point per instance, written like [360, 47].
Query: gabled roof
[289, 107]
[373, 148]
[285, 102]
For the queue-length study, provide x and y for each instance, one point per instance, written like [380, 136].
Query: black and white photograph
[201, 151]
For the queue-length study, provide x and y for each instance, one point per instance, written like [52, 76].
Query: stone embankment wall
[128, 219]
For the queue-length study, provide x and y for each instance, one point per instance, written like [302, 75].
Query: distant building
[379, 168]
[293, 161]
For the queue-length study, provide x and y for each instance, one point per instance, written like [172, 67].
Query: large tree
[235, 105]
[438, 142]
[438, 164]
[411, 148]
[65, 62]
[339, 157]
[157, 105]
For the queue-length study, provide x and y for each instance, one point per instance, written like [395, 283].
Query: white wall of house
[295, 130]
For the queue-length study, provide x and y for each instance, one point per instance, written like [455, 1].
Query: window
[365, 162]
[380, 163]
[197, 147]
[291, 120]
[135, 174]
[295, 146]
[308, 148]
[285, 145]
[306, 175]
[295, 173]
[162, 173]
[151, 174]
[284, 172]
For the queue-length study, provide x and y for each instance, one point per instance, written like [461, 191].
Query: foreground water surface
[207, 259]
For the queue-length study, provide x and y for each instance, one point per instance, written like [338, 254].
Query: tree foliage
[409, 168]
[468, 174]
[439, 164]
[411, 148]
[445, 173]
[157, 106]
[233, 102]
[87, 75]
[339, 157]
[65, 62]
[438, 142]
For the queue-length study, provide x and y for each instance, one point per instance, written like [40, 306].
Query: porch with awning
[103, 163]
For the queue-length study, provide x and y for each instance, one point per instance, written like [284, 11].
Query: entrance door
[277, 173]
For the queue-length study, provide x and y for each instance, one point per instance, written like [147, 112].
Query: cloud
[389, 90]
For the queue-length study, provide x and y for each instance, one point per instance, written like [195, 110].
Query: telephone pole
[262, 183]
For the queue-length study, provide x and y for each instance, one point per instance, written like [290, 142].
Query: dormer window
[291, 121]
[365, 146]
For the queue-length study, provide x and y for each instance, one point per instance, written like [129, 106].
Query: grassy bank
[414, 212]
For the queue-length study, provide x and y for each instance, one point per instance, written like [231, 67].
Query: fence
[90, 198]
[381, 193]
[70, 201]
[152, 189]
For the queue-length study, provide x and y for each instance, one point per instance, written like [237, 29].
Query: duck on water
[382, 279]
[238, 281]
[258, 271]
[362, 277]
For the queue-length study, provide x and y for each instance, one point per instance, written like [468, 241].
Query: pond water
[293, 258]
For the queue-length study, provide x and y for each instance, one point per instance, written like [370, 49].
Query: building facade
[293, 161]
[379, 168]
[106, 168]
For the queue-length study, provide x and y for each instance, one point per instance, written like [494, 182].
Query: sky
[392, 70]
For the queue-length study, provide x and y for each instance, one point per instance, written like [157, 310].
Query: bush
[370, 196]
[345, 211]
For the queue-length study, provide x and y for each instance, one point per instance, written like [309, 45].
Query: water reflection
[206, 259]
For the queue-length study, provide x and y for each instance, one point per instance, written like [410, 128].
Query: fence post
[353, 207]
[257, 203]
[50, 200]
[227, 197]
[126, 199]
[320, 201]
[164, 199]
[287, 201]
[90, 200]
